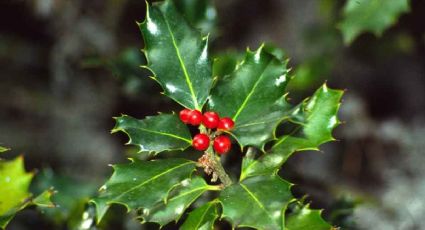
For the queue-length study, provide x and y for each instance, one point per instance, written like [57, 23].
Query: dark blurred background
[68, 67]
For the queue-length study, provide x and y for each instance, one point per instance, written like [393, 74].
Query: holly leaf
[156, 133]
[306, 219]
[142, 184]
[253, 96]
[174, 207]
[177, 55]
[200, 13]
[14, 190]
[370, 16]
[258, 202]
[202, 218]
[315, 117]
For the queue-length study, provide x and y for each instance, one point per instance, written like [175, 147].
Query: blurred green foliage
[71, 197]
[370, 16]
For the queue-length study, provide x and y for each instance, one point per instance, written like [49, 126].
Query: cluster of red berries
[210, 120]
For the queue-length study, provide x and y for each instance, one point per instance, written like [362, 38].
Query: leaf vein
[243, 105]
[151, 179]
[203, 216]
[182, 64]
[164, 134]
[256, 201]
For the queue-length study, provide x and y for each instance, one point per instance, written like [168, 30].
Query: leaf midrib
[182, 65]
[151, 179]
[204, 214]
[164, 134]
[243, 105]
[189, 192]
[256, 201]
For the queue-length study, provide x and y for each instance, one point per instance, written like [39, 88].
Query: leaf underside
[177, 55]
[370, 16]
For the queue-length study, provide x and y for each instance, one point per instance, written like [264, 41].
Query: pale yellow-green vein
[256, 201]
[243, 105]
[183, 66]
[152, 179]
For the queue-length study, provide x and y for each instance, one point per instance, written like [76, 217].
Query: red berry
[226, 123]
[201, 142]
[222, 144]
[184, 115]
[195, 117]
[210, 120]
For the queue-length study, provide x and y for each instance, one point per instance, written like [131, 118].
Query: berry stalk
[213, 167]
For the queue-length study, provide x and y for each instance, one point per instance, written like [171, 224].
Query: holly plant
[235, 113]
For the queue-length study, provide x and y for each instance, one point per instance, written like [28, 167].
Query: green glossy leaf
[200, 13]
[316, 117]
[174, 207]
[14, 185]
[258, 202]
[202, 218]
[306, 219]
[253, 96]
[177, 55]
[156, 133]
[370, 16]
[142, 184]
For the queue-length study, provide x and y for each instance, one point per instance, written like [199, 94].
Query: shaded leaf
[142, 184]
[174, 207]
[126, 67]
[370, 16]
[306, 219]
[253, 96]
[200, 13]
[177, 55]
[71, 197]
[225, 63]
[316, 117]
[202, 218]
[155, 134]
[258, 202]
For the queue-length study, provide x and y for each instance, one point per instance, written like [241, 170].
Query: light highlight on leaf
[177, 55]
